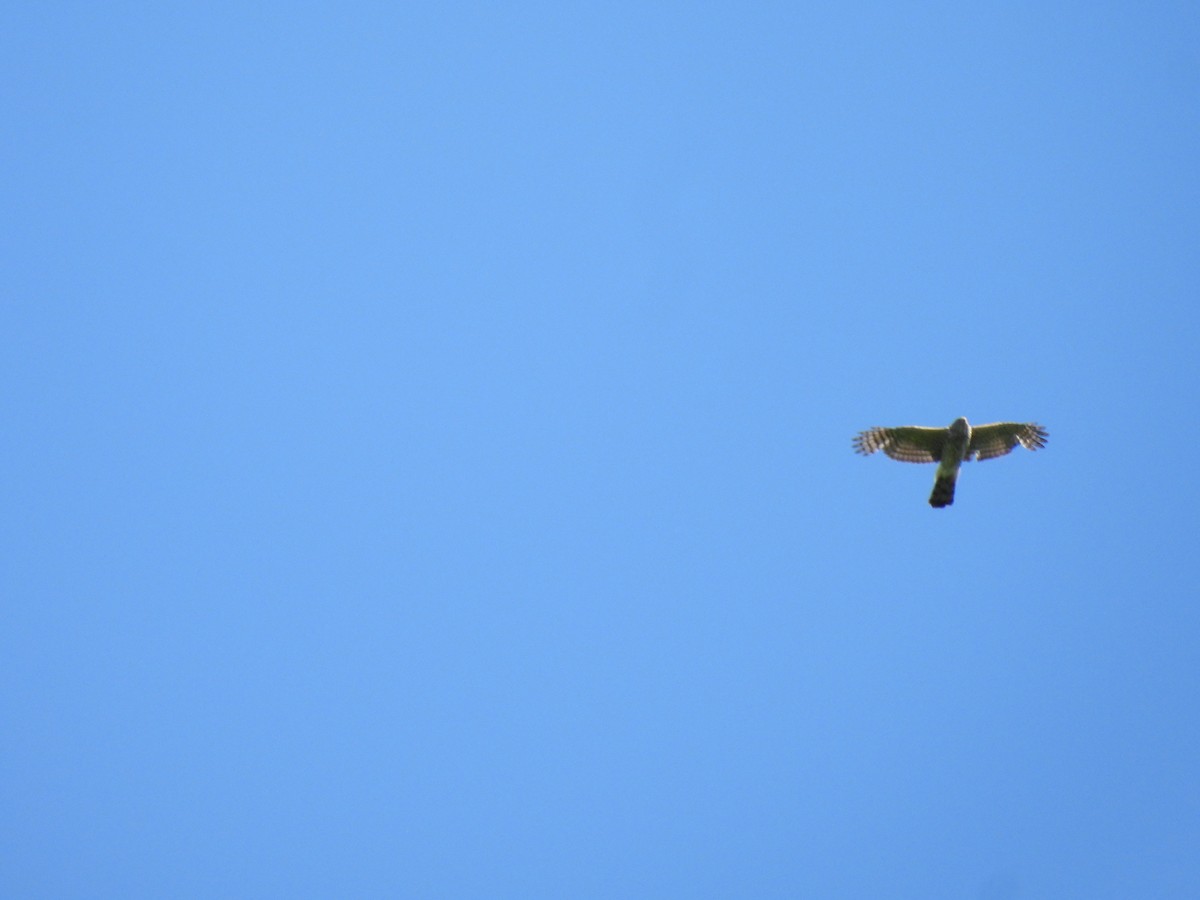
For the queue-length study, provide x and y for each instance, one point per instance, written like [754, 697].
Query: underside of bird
[950, 447]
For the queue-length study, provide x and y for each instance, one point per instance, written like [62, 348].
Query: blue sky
[427, 462]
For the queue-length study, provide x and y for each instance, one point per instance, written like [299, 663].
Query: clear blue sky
[426, 450]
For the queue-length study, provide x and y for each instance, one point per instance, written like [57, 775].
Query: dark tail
[943, 491]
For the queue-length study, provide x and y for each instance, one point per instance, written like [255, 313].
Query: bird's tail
[943, 491]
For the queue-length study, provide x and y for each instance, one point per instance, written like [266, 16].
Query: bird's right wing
[909, 443]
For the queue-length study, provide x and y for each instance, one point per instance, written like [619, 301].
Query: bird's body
[950, 447]
[954, 451]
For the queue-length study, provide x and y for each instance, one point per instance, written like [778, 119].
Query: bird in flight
[950, 447]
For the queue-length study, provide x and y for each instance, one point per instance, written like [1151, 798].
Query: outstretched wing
[907, 443]
[999, 438]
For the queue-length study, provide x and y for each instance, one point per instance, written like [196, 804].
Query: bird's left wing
[999, 438]
[909, 443]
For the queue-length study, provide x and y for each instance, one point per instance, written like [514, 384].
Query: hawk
[950, 447]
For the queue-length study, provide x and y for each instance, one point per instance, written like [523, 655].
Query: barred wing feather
[907, 444]
[999, 438]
